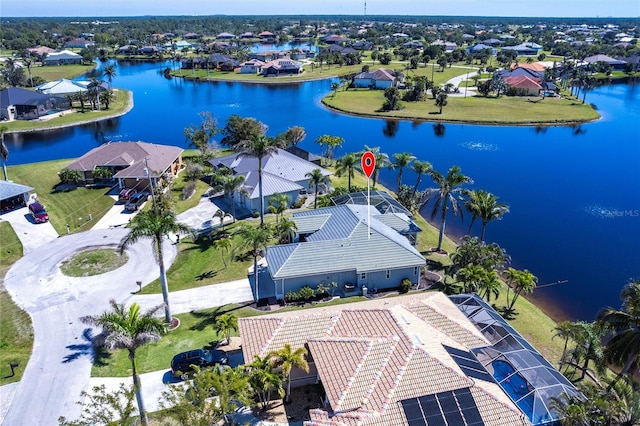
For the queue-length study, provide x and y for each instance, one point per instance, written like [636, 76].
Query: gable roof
[283, 64]
[381, 74]
[522, 82]
[371, 356]
[18, 96]
[64, 54]
[130, 156]
[604, 58]
[340, 233]
[61, 86]
[281, 171]
[11, 189]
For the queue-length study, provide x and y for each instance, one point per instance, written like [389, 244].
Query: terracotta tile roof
[522, 82]
[372, 355]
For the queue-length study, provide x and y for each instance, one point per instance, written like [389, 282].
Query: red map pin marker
[368, 162]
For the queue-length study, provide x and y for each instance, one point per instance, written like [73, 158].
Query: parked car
[38, 213]
[182, 364]
[125, 194]
[136, 201]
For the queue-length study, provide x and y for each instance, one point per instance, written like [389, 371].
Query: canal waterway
[574, 192]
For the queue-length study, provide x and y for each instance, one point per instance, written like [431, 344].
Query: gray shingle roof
[10, 189]
[341, 244]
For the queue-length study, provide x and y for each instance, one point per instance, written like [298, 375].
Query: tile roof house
[381, 78]
[281, 66]
[523, 86]
[252, 66]
[127, 162]
[345, 244]
[22, 104]
[282, 172]
[39, 51]
[412, 360]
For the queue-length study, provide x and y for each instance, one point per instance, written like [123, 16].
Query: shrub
[405, 285]
[255, 215]
[291, 296]
[306, 293]
[188, 190]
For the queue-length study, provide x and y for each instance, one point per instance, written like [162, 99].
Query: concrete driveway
[32, 235]
[200, 218]
[60, 365]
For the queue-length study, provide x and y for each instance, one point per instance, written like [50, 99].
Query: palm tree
[156, 226]
[563, 330]
[278, 203]
[441, 100]
[623, 349]
[382, 161]
[4, 151]
[490, 284]
[287, 359]
[286, 230]
[448, 187]
[255, 239]
[520, 282]
[400, 161]
[420, 168]
[28, 62]
[345, 165]
[294, 135]
[109, 72]
[222, 245]
[231, 387]
[221, 214]
[229, 184]
[264, 380]
[259, 146]
[129, 329]
[316, 180]
[484, 205]
[225, 324]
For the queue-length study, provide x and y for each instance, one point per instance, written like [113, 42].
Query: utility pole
[153, 192]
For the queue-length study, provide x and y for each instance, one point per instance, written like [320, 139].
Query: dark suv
[181, 364]
[135, 201]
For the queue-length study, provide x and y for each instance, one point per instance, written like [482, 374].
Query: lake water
[574, 193]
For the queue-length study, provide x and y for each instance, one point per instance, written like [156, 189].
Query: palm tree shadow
[206, 275]
[209, 318]
[202, 244]
[98, 353]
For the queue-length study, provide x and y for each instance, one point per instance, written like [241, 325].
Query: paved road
[60, 365]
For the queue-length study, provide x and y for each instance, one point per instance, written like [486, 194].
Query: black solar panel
[412, 409]
[417, 422]
[469, 364]
[454, 418]
[436, 420]
[450, 408]
[429, 404]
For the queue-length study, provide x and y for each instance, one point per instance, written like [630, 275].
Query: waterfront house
[128, 162]
[523, 86]
[22, 104]
[282, 66]
[615, 64]
[225, 36]
[253, 66]
[381, 78]
[349, 245]
[64, 57]
[420, 359]
[267, 36]
[60, 87]
[334, 39]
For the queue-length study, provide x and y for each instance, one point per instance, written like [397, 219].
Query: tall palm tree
[317, 180]
[255, 239]
[520, 282]
[225, 324]
[229, 184]
[400, 161]
[484, 205]
[129, 329]
[278, 203]
[264, 379]
[441, 101]
[382, 161]
[222, 245]
[4, 151]
[231, 387]
[623, 349]
[221, 214]
[155, 226]
[446, 192]
[109, 72]
[259, 146]
[471, 204]
[563, 330]
[286, 230]
[420, 168]
[28, 62]
[345, 165]
[287, 359]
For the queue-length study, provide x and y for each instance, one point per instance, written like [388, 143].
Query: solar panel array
[469, 364]
[451, 408]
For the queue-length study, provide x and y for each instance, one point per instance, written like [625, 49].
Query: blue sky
[541, 8]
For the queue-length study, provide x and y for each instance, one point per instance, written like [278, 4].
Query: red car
[38, 213]
[125, 194]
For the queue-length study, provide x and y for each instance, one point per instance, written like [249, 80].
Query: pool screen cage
[381, 200]
[524, 375]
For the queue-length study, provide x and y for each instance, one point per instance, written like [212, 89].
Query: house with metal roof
[22, 104]
[13, 195]
[282, 172]
[133, 164]
[420, 359]
[381, 78]
[64, 57]
[60, 87]
[351, 245]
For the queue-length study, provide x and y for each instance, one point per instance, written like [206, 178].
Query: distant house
[522, 72]
[616, 64]
[334, 39]
[78, 43]
[13, 195]
[492, 42]
[149, 50]
[127, 162]
[247, 35]
[362, 45]
[413, 44]
[379, 79]
[40, 51]
[447, 46]
[333, 244]
[265, 56]
[267, 36]
[253, 66]
[523, 86]
[191, 36]
[479, 47]
[282, 66]
[225, 36]
[525, 49]
[420, 359]
[282, 172]
[60, 87]
[22, 104]
[223, 62]
[342, 50]
[64, 57]
[178, 45]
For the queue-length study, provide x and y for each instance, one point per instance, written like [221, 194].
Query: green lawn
[16, 332]
[74, 207]
[514, 110]
[53, 73]
[117, 107]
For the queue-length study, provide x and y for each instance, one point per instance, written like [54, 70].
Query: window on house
[363, 276]
[415, 270]
[388, 273]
